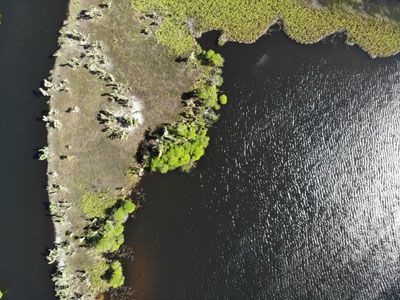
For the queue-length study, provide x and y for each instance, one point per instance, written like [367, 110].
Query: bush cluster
[115, 275]
[106, 235]
[106, 274]
[214, 58]
[186, 147]
[110, 237]
[181, 144]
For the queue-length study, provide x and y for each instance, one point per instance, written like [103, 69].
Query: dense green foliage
[223, 99]
[95, 205]
[116, 277]
[106, 235]
[104, 275]
[110, 235]
[181, 144]
[214, 58]
[185, 145]
[246, 21]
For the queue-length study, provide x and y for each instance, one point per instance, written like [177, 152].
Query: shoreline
[66, 154]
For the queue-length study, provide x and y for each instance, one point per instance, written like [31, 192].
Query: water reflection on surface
[298, 196]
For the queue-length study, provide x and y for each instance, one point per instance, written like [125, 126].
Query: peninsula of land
[132, 91]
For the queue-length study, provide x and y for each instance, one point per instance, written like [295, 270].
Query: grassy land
[245, 21]
[110, 84]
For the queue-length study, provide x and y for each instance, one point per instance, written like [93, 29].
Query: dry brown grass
[92, 161]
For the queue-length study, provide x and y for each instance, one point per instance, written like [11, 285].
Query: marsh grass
[245, 21]
[95, 205]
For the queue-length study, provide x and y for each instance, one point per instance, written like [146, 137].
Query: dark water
[298, 196]
[28, 36]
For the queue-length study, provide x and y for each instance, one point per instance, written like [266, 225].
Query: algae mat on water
[245, 21]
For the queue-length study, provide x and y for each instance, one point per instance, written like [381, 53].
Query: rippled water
[298, 196]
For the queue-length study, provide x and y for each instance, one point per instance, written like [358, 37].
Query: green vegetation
[181, 144]
[215, 58]
[95, 205]
[223, 99]
[110, 235]
[106, 235]
[246, 21]
[105, 274]
[387, 9]
[109, 215]
[96, 275]
[181, 148]
[115, 276]
[92, 46]
[1, 294]
[87, 192]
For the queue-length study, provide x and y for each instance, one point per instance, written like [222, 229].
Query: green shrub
[214, 58]
[104, 275]
[110, 237]
[209, 95]
[117, 278]
[120, 215]
[182, 151]
[223, 99]
[128, 206]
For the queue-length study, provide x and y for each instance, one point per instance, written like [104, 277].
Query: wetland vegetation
[245, 21]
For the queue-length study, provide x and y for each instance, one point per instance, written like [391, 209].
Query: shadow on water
[28, 38]
[298, 194]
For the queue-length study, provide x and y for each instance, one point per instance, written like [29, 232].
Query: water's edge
[28, 38]
[207, 234]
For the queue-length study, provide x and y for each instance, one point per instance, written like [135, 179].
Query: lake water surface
[298, 196]
[28, 38]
